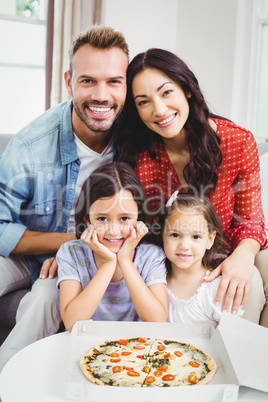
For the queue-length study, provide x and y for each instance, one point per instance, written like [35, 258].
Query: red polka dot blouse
[237, 197]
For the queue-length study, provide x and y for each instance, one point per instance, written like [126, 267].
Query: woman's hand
[136, 232]
[236, 271]
[90, 237]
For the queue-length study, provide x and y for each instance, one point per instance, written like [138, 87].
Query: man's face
[98, 88]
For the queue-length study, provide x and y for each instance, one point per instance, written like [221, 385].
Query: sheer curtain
[70, 18]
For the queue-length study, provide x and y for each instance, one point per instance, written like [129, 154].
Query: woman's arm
[247, 214]
[247, 229]
[150, 302]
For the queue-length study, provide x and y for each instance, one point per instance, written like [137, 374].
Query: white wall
[144, 23]
[8, 7]
[206, 42]
[201, 32]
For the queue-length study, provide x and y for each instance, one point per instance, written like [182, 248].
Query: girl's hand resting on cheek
[136, 232]
[90, 237]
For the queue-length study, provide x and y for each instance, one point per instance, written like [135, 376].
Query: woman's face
[161, 102]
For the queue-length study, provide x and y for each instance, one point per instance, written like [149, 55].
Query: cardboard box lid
[247, 346]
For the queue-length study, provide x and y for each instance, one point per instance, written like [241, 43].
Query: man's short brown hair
[100, 37]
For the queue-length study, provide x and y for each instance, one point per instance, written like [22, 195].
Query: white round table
[37, 374]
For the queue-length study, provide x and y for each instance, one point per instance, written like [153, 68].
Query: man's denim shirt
[38, 174]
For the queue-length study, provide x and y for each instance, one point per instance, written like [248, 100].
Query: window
[262, 116]
[258, 63]
[22, 62]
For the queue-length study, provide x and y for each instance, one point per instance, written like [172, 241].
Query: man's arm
[25, 227]
[41, 243]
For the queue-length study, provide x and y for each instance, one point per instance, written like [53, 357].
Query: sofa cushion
[8, 307]
[4, 140]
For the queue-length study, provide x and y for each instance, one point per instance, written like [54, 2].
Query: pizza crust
[88, 374]
[212, 366]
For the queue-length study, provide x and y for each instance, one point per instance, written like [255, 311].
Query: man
[42, 172]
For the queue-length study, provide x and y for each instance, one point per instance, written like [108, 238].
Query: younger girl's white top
[200, 308]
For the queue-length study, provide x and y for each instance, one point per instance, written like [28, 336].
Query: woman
[174, 141]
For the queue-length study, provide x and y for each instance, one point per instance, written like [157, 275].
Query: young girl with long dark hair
[109, 272]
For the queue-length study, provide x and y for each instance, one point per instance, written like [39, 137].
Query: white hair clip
[172, 199]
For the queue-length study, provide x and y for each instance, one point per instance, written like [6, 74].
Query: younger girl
[194, 245]
[106, 275]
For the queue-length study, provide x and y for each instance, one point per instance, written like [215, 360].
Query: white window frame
[28, 21]
[23, 20]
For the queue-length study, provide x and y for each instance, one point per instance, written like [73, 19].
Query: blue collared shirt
[38, 174]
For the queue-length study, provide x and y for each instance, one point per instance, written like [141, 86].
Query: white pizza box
[239, 348]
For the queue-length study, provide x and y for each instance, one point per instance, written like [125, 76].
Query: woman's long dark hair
[203, 142]
[106, 181]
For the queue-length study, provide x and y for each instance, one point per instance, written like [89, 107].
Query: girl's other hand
[90, 237]
[136, 232]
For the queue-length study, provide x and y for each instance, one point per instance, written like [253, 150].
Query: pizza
[147, 362]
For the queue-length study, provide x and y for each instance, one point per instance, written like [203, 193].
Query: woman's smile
[166, 121]
[161, 103]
